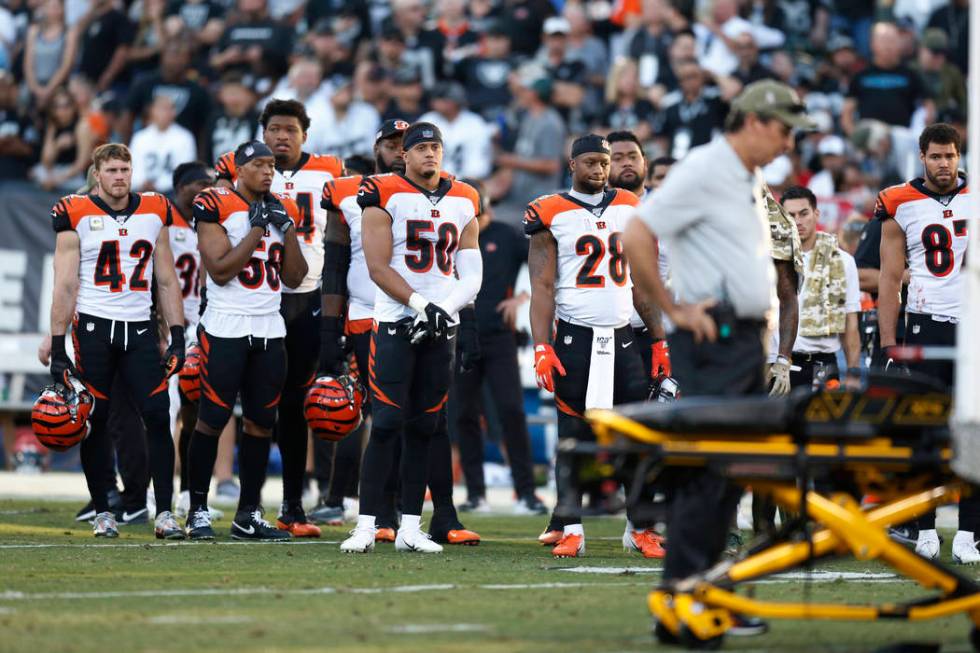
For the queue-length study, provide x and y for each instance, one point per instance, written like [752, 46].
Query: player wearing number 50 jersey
[924, 227]
[579, 274]
[300, 176]
[247, 238]
[111, 245]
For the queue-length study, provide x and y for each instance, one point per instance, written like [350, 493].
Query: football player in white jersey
[924, 227]
[249, 247]
[420, 239]
[300, 176]
[111, 245]
[580, 276]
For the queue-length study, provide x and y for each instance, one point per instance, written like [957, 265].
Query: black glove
[468, 349]
[430, 325]
[884, 360]
[257, 215]
[332, 346]
[61, 365]
[276, 213]
[173, 358]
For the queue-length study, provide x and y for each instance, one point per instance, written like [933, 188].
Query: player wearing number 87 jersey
[111, 245]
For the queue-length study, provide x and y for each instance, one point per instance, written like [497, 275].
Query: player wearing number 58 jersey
[111, 246]
[247, 238]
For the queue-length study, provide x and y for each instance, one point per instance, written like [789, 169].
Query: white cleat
[928, 544]
[361, 540]
[105, 525]
[166, 527]
[965, 549]
[415, 540]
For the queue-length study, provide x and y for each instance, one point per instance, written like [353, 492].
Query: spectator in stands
[804, 22]
[173, 79]
[351, 126]
[460, 40]
[305, 84]
[692, 115]
[826, 183]
[332, 50]
[683, 48]
[49, 52]
[407, 96]
[583, 46]
[204, 19]
[943, 80]
[423, 47]
[106, 38]
[350, 20]
[89, 109]
[749, 69]
[842, 63]
[67, 147]
[144, 54]
[255, 45]
[18, 138]
[853, 18]
[887, 90]
[371, 85]
[235, 121]
[389, 51]
[953, 18]
[717, 30]
[160, 147]
[568, 76]
[650, 45]
[485, 75]
[523, 20]
[625, 109]
[467, 139]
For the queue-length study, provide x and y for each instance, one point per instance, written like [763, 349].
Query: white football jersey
[116, 265]
[426, 228]
[935, 243]
[305, 185]
[187, 262]
[340, 195]
[593, 287]
[256, 290]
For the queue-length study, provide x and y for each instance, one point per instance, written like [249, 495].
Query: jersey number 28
[593, 249]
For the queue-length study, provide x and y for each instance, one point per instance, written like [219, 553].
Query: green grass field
[61, 590]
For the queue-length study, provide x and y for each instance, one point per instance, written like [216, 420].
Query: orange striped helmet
[189, 378]
[333, 407]
[60, 415]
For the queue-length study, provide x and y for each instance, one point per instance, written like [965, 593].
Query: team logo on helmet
[60, 416]
[333, 407]
[189, 379]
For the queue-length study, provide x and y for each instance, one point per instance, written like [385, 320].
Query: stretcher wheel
[975, 638]
[691, 641]
[663, 635]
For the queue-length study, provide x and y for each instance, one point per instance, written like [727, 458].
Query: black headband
[592, 143]
[251, 150]
[421, 132]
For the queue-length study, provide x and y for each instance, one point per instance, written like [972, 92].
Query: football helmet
[189, 378]
[60, 416]
[333, 406]
[664, 389]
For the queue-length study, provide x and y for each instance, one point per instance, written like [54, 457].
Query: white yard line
[194, 620]
[815, 576]
[425, 629]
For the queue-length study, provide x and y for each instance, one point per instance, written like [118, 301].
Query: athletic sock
[253, 458]
[183, 452]
[411, 522]
[202, 451]
[365, 521]
[574, 529]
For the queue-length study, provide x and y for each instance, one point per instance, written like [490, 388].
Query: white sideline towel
[599, 393]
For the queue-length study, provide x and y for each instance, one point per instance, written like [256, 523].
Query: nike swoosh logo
[126, 516]
[392, 332]
[450, 336]
[316, 312]
[627, 344]
[140, 332]
[248, 531]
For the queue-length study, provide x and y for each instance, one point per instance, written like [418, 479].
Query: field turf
[61, 590]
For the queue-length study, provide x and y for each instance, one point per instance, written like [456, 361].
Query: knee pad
[426, 424]
[387, 418]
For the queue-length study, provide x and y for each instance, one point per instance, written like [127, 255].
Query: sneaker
[183, 504]
[570, 546]
[227, 493]
[928, 544]
[907, 535]
[530, 505]
[733, 542]
[249, 525]
[743, 626]
[475, 504]
[127, 517]
[648, 542]
[105, 525]
[198, 525]
[550, 538]
[384, 535]
[361, 540]
[415, 540]
[293, 519]
[329, 515]
[86, 513]
[456, 536]
[965, 549]
[166, 527]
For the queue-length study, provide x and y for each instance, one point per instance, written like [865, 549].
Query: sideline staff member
[711, 213]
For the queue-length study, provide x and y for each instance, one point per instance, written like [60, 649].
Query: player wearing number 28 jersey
[111, 245]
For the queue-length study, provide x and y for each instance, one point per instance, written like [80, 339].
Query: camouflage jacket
[785, 238]
[822, 312]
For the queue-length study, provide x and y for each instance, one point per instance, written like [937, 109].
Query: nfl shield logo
[597, 212]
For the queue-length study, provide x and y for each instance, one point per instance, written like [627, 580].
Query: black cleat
[87, 512]
[198, 524]
[129, 517]
[249, 525]
[530, 505]
[743, 626]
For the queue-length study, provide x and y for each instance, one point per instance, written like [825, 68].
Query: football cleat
[907, 535]
[127, 517]
[415, 540]
[60, 415]
[189, 378]
[361, 540]
[333, 407]
[86, 513]
[928, 545]
[293, 519]
[105, 525]
[550, 538]
[475, 504]
[743, 626]
[198, 525]
[570, 546]
[965, 549]
[384, 535]
[459, 536]
[248, 525]
[165, 527]
[325, 514]
[648, 542]
[530, 505]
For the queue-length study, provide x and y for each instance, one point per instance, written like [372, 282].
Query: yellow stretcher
[891, 440]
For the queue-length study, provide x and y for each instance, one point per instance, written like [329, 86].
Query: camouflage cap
[772, 99]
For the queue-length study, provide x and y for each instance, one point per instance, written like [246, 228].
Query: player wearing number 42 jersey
[300, 176]
[248, 244]
[924, 227]
[111, 245]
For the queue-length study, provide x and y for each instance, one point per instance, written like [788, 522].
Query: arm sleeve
[533, 220]
[206, 208]
[469, 268]
[369, 194]
[60, 219]
[853, 296]
[327, 200]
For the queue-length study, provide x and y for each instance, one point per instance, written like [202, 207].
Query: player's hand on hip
[546, 363]
[779, 377]
[660, 357]
[695, 318]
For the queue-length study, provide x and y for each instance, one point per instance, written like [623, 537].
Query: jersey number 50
[442, 250]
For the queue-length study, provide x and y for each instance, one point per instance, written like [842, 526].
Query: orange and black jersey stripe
[540, 213]
[215, 205]
[376, 190]
[71, 209]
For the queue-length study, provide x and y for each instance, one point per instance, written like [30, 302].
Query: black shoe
[198, 525]
[475, 504]
[907, 535]
[130, 516]
[530, 505]
[733, 542]
[743, 626]
[87, 513]
[324, 513]
[249, 525]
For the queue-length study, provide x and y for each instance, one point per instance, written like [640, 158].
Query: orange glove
[660, 355]
[545, 362]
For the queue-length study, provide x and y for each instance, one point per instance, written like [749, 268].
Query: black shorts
[254, 368]
[923, 330]
[408, 382]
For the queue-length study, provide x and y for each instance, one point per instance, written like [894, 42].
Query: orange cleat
[463, 537]
[550, 538]
[299, 529]
[648, 542]
[384, 535]
[570, 546]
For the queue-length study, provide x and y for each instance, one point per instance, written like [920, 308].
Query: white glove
[779, 376]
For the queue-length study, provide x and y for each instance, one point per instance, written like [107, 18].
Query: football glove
[779, 377]
[173, 358]
[276, 213]
[885, 359]
[660, 355]
[430, 324]
[257, 215]
[468, 349]
[61, 365]
[545, 364]
[332, 344]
